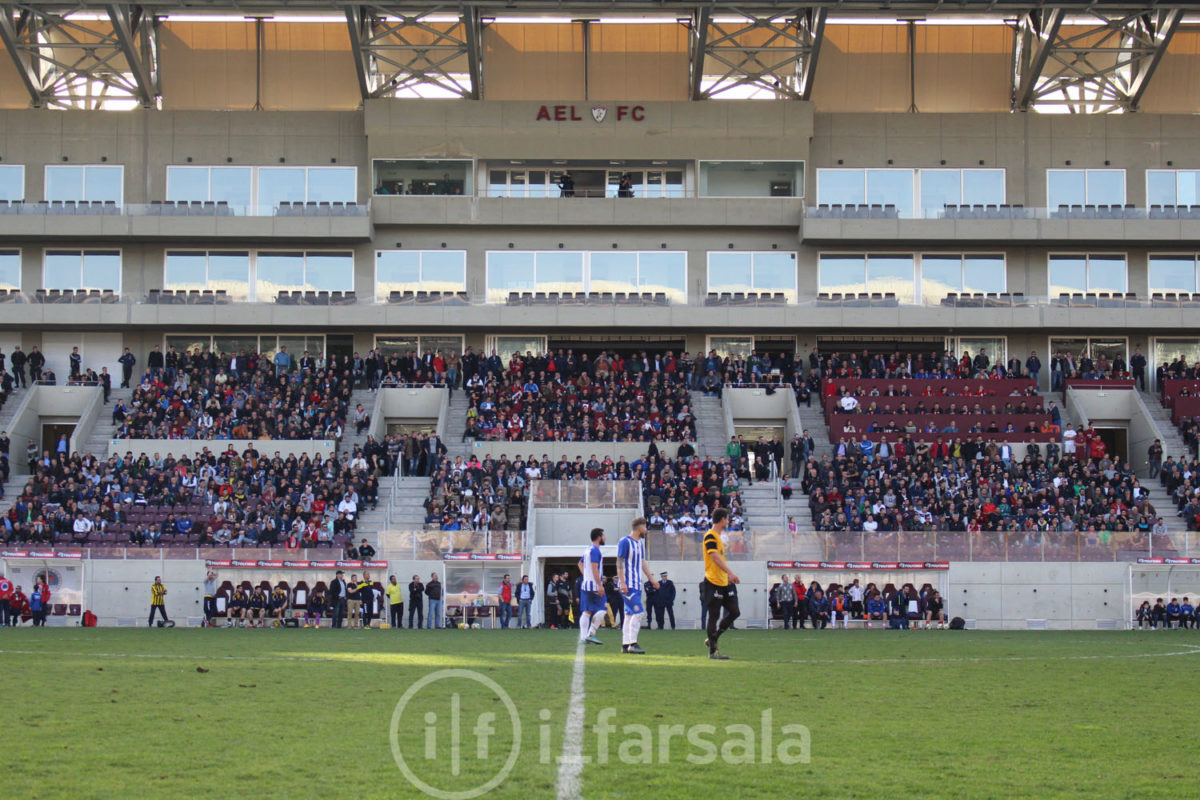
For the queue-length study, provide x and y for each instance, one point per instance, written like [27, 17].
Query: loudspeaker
[958, 624]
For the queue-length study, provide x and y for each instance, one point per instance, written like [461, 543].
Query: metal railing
[183, 208]
[1001, 212]
[443, 545]
[586, 494]
[960, 546]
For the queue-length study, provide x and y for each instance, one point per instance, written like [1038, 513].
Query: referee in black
[719, 589]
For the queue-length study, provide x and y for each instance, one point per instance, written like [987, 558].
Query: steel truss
[398, 50]
[86, 62]
[775, 51]
[1097, 67]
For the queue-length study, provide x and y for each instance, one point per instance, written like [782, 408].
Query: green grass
[298, 713]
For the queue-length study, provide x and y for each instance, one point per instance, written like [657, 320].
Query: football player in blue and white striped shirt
[592, 605]
[631, 567]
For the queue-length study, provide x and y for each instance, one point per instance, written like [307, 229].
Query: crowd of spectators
[974, 489]
[217, 498]
[556, 397]
[236, 396]
[679, 493]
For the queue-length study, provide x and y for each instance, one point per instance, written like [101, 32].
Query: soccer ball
[474, 626]
[462, 626]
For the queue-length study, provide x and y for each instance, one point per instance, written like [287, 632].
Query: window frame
[1087, 257]
[20, 167]
[382, 297]
[866, 259]
[587, 269]
[16, 251]
[255, 208]
[1087, 187]
[799, 187]
[917, 183]
[82, 252]
[794, 292]
[208, 254]
[305, 252]
[120, 201]
[962, 265]
[1195, 259]
[471, 175]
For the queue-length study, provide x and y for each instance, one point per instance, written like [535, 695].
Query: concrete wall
[1119, 408]
[411, 405]
[554, 450]
[44, 403]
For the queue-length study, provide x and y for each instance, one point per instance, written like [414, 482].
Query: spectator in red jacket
[6, 593]
[18, 606]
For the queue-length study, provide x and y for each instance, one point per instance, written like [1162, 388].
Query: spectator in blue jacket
[1187, 614]
[1173, 613]
[876, 610]
[818, 609]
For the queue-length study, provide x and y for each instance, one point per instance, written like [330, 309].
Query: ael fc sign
[569, 113]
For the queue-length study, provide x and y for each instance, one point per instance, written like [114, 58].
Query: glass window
[187, 183]
[88, 269]
[278, 185]
[891, 187]
[842, 273]
[559, 271]
[1172, 273]
[983, 186]
[431, 177]
[735, 346]
[331, 184]
[12, 182]
[329, 272]
[984, 273]
[1171, 187]
[1106, 274]
[891, 274]
[940, 275]
[740, 179]
[944, 273]
[230, 185]
[10, 269]
[1067, 274]
[614, 272]
[1066, 187]
[662, 271]
[86, 183]
[397, 271]
[230, 272]
[1086, 273]
[64, 183]
[508, 271]
[940, 188]
[730, 272]
[841, 187]
[185, 271]
[775, 272]
[278, 272]
[507, 346]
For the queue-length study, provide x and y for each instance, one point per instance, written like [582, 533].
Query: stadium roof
[1079, 56]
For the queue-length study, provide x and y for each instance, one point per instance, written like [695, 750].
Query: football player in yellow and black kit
[719, 589]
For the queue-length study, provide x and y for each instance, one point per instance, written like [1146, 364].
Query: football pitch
[516, 714]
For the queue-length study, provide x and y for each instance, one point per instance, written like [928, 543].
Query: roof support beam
[755, 52]
[1036, 32]
[1099, 65]
[13, 25]
[402, 51]
[134, 32]
[697, 42]
[473, 36]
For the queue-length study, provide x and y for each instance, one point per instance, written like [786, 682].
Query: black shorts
[856, 608]
[711, 594]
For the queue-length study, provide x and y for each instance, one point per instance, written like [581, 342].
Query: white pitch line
[570, 764]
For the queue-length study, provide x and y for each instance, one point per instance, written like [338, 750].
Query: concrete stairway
[456, 423]
[408, 504]
[1172, 440]
[16, 453]
[813, 419]
[350, 439]
[760, 504]
[711, 437]
[102, 432]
